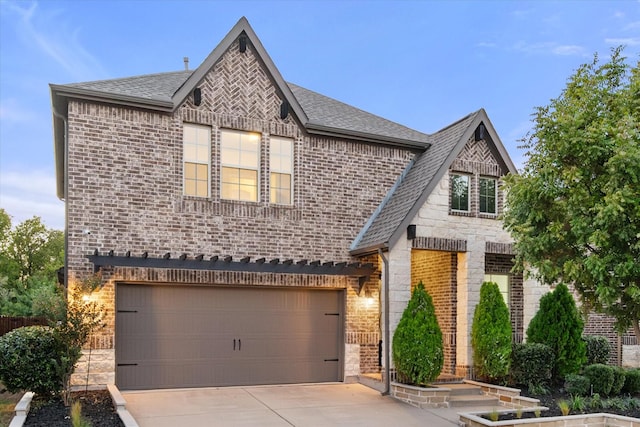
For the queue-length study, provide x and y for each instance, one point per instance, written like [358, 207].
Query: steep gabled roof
[165, 92]
[392, 217]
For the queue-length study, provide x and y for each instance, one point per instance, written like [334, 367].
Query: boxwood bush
[619, 378]
[29, 360]
[601, 378]
[417, 343]
[598, 349]
[532, 364]
[631, 381]
[491, 334]
[577, 385]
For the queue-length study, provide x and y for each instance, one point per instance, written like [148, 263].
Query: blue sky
[423, 64]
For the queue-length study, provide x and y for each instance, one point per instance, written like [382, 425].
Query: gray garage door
[188, 336]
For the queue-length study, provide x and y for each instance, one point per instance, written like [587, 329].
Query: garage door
[188, 336]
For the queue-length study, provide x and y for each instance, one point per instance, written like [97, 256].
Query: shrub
[558, 324]
[619, 378]
[631, 381]
[28, 360]
[577, 385]
[491, 334]
[598, 349]
[531, 364]
[601, 378]
[417, 342]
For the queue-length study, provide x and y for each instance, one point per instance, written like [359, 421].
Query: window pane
[189, 151]
[280, 188]
[202, 189]
[190, 187]
[460, 192]
[202, 172]
[196, 158]
[487, 195]
[190, 170]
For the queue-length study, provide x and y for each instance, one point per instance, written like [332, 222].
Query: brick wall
[125, 186]
[437, 271]
[603, 325]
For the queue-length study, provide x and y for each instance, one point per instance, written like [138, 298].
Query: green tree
[417, 343]
[574, 211]
[491, 334]
[30, 255]
[558, 325]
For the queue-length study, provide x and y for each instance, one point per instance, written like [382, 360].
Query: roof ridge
[164, 73]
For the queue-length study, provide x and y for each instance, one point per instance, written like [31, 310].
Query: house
[251, 231]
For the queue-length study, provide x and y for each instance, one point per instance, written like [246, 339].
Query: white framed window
[239, 164]
[460, 192]
[502, 280]
[487, 195]
[196, 155]
[281, 168]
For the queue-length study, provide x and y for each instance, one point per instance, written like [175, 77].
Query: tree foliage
[491, 334]
[417, 343]
[574, 211]
[30, 255]
[558, 325]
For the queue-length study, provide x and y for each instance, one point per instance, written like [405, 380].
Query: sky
[423, 64]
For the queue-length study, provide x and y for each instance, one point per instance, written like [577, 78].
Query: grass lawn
[7, 404]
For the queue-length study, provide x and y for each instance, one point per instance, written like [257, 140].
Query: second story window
[487, 195]
[240, 162]
[460, 193]
[281, 166]
[196, 158]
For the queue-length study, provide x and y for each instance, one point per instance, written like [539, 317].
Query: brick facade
[125, 194]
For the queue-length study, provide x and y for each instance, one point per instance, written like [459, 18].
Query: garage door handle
[127, 364]
[331, 360]
[234, 344]
[239, 344]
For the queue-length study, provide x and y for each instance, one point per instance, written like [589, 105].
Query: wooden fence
[8, 323]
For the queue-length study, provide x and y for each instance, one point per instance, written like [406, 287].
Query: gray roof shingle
[405, 198]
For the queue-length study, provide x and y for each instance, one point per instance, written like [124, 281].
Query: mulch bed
[556, 395]
[97, 407]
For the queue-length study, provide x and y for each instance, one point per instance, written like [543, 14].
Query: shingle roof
[413, 187]
[321, 110]
[158, 87]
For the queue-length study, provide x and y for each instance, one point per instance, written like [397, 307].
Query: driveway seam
[269, 407]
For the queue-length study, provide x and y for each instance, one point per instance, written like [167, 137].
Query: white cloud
[546, 48]
[627, 41]
[49, 34]
[486, 44]
[27, 194]
[12, 112]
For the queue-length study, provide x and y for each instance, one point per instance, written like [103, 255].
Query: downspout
[387, 333]
[66, 193]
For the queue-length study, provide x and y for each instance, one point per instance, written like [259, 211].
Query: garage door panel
[178, 336]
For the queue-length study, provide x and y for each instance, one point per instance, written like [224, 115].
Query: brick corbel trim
[440, 244]
[499, 248]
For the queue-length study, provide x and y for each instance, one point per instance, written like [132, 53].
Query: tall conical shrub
[558, 324]
[491, 334]
[417, 342]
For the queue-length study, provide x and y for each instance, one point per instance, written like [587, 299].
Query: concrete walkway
[334, 404]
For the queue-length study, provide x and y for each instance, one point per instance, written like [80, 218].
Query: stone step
[472, 400]
[463, 389]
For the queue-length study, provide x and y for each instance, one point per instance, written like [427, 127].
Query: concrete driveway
[334, 404]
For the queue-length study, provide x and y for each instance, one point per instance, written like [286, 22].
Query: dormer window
[460, 193]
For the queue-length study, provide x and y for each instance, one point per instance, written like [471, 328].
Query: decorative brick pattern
[440, 244]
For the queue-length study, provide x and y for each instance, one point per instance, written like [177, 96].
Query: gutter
[66, 193]
[387, 333]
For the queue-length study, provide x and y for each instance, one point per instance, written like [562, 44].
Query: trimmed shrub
[577, 385]
[491, 334]
[631, 381]
[532, 364]
[619, 377]
[28, 360]
[601, 378]
[417, 342]
[558, 324]
[598, 349]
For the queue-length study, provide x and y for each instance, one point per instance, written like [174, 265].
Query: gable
[481, 157]
[238, 84]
